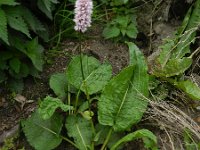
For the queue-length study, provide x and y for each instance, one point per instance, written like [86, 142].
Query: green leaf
[49, 105]
[3, 27]
[15, 64]
[132, 31]
[80, 130]
[124, 96]
[101, 134]
[24, 70]
[95, 82]
[183, 45]
[8, 2]
[189, 142]
[43, 134]
[34, 51]
[111, 32]
[122, 20]
[58, 83]
[195, 17]
[190, 88]
[31, 20]
[174, 67]
[16, 21]
[46, 7]
[96, 75]
[149, 139]
[113, 106]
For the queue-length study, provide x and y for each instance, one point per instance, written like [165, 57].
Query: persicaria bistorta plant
[83, 12]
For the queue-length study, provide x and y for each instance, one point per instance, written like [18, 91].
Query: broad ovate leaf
[95, 75]
[114, 109]
[49, 105]
[123, 100]
[149, 139]
[43, 134]
[58, 83]
[190, 88]
[80, 130]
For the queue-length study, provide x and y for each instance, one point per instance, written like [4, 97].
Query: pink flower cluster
[83, 13]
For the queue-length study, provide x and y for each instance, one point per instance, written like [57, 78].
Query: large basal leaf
[123, 101]
[149, 139]
[114, 109]
[190, 88]
[3, 27]
[97, 79]
[80, 130]
[174, 67]
[49, 105]
[43, 134]
[58, 83]
[96, 75]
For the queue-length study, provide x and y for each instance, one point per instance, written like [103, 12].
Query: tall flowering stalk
[83, 13]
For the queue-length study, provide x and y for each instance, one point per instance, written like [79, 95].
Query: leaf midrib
[79, 132]
[122, 103]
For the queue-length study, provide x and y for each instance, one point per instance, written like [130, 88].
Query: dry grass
[170, 122]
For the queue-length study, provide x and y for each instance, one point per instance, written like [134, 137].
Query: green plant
[189, 142]
[123, 21]
[21, 53]
[173, 61]
[121, 101]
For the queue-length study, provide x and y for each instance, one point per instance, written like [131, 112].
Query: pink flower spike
[83, 13]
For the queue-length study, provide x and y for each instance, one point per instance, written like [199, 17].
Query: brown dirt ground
[154, 24]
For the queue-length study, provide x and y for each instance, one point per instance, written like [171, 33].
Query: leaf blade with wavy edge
[43, 134]
[123, 101]
[96, 75]
[148, 137]
[49, 105]
[80, 130]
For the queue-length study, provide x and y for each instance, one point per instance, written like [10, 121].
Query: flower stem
[80, 52]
